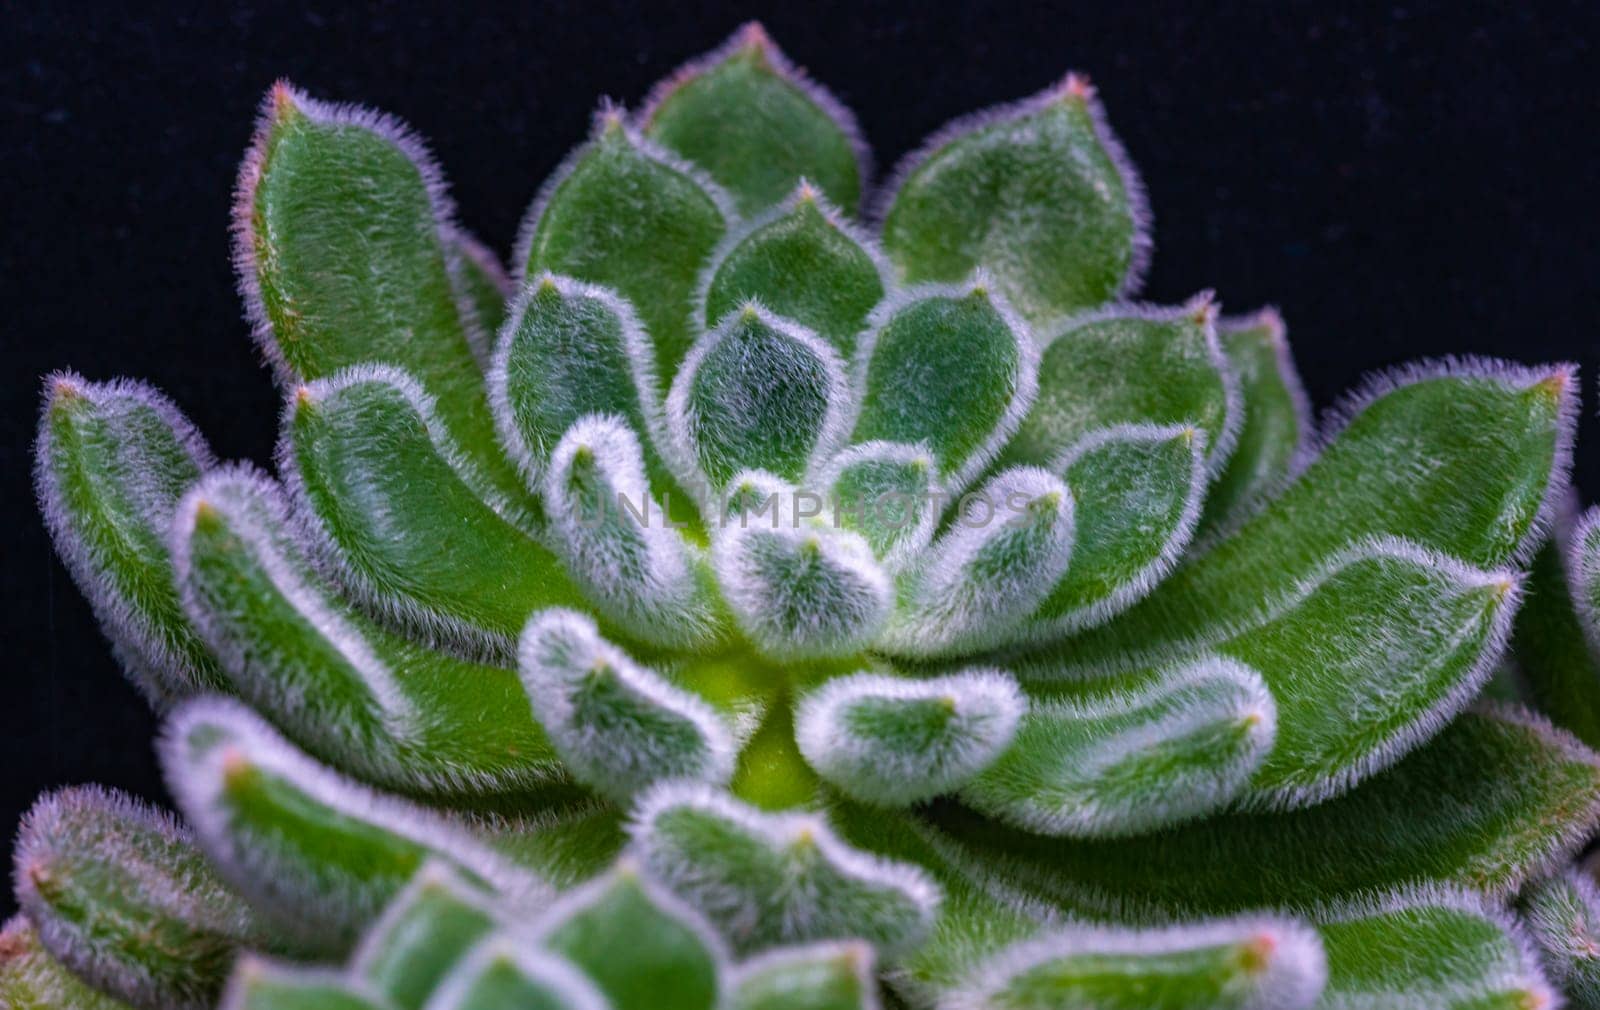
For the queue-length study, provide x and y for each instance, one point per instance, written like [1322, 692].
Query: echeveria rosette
[898, 584]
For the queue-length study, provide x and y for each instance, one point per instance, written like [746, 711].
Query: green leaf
[1038, 192]
[125, 900]
[1277, 424]
[641, 946]
[30, 979]
[371, 702]
[482, 290]
[565, 846]
[318, 854]
[1135, 760]
[757, 393]
[1428, 949]
[110, 463]
[894, 741]
[824, 976]
[340, 230]
[757, 123]
[950, 369]
[1136, 491]
[421, 936]
[411, 529]
[1237, 964]
[1009, 544]
[263, 985]
[617, 725]
[504, 974]
[770, 879]
[803, 261]
[1558, 629]
[884, 491]
[1468, 462]
[1130, 365]
[1448, 814]
[1562, 915]
[622, 213]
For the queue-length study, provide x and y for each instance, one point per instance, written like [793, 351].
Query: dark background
[1407, 181]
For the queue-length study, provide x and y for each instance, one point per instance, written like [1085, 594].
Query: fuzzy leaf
[758, 393]
[623, 213]
[804, 262]
[1426, 949]
[1037, 192]
[110, 463]
[1562, 915]
[1130, 365]
[1468, 461]
[369, 701]
[482, 284]
[769, 879]
[1448, 814]
[1237, 964]
[950, 369]
[642, 947]
[824, 976]
[1558, 628]
[502, 973]
[1008, 547]
[1134, 761]
[1137, 491]
[1277, 424]
[420, 937]
[565, 846]
[756, 123]
[895, 741]
[30, 979]
[262, 985]
[340, 229]
[317, 853]
[885, 491]
[805, 592]
[618, 725]
[403, 517]
[122, 897]
[621, 546]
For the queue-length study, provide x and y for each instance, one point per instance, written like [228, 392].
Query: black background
[1403, 181]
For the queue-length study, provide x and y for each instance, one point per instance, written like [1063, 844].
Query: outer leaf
[823, 976]
[357, 696]
[340, 228]
[1558, 629]
[643, 947]
[886, 492]
[1038, 192]
[618, 726]
[485, 288]
[1277, 424]
[757, 123]
[1427, 949]
[1135, 761]
[121, 896]
[317, 853]
[422, 935]
[503, 974]
[110, 463]
[1562, 914]
[1131, 364]
[948, 368]
[259, 984]
[1249, 964]
[767, 879]
[1447, 814]
[623, 213]
[895, 741]
[31, 980]
[758, 393]
[803, 261]
[401, 516]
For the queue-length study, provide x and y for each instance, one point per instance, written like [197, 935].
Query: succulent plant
[899, 584]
